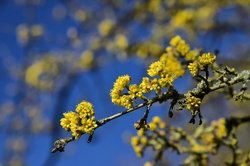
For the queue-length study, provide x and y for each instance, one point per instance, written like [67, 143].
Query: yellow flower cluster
[48, 67]
[116, 94]
[207, 59]
[204, 60]
[86, 60]
[180, 45]
[142, 140]
[193, 103]
[194, 68]
[80, 122]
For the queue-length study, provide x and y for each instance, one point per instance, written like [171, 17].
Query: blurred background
[57, 53]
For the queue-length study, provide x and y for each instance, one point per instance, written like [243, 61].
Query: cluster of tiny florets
[181, 46]
[80, 122]
[116, 94]
[193, 103]
[205, 59]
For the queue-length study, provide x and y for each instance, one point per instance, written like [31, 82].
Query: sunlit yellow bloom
[193, 103]
[193, 68]
[175, 40]
[155, 68]
[85, 109]
[207, 59]
[70, 118]
[145, 85]
[135, 91]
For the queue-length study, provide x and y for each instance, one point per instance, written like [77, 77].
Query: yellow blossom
[134, 141]
[156, 120]
[191, 55]
[172, 65]
[70, 118]
[135, 91]
[86, 60]
[105, 27]
[85, 109]
[145, 85]
[140, 132]
[175, 40]
[88, 125]
[81, 121]
[207, 59]
[121, 41]
[194, 68]
[138, 151]
[182, 48]
[155, 68]
[144, 140]
[116, 93]
[193, 103]
[152, 126]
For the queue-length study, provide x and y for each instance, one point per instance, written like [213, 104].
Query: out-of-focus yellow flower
[41, 73]
[105, 27]
[121, 41]
[86, 60]
[134, 141]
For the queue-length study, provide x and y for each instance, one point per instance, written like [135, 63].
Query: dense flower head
[70, 118]
[180, 45]
[204, 60]
[194, 68]
[116, 93]
[145, 85]
[175, 40]
[122, 82]
[193, 103]
[207, 59]
[85, 109]
[80, 122]
[135, 91]
[155, 68]
[172, 65]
